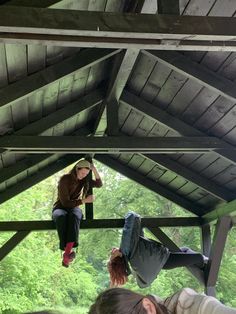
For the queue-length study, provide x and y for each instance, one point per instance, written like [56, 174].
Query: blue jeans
[67, 224]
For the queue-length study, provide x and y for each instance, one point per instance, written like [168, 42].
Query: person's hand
[92, 167]
[89, 199]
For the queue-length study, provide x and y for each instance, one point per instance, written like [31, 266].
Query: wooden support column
[157, 232]
[89, 206]
[12, 243]
[222, 228]
[206, 239]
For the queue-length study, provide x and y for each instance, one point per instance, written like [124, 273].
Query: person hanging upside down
[72, 193]
[145, 257]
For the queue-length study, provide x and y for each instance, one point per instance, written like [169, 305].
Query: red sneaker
[68, 258]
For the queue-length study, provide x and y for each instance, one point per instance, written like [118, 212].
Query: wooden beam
[61, 115]
[44, 173]
[157, 232]
[196, 72]
[170, 121]
[151, 185]
[110, 145]
[220, 211]
[31, 161]
[28, 85]
[206, 239]
[39, 225]
[223, 226]
[12, 243]
[202, 182]
[157, 114]
[108, 115]
[109, 29]
[34, 3]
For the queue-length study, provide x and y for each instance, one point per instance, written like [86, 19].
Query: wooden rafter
[193, 70]
[202, 182]
[108, 116]
[220, 211]
[12, 243]
[61, 115]
[30, 84]
[107, 119]
[170, 121]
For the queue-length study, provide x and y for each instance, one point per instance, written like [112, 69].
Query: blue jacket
[145, 256]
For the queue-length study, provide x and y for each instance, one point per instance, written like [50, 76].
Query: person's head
[117, 268]
[82, 168]
[124, 301]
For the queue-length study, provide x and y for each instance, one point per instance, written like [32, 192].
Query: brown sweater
[70, 190]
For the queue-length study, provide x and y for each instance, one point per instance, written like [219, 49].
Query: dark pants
[67, 224]
[185, 258]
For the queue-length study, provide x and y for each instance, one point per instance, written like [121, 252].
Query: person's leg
[180, 259]
[73, 223]
[60, 218]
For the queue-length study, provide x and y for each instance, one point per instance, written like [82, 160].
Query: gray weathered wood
[169, 121]
[121, 70]
[57, 27]
[195, 71]
[223, 226]
[41, 79]
[194, 177]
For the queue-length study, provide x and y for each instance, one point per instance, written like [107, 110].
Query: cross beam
[111, 144]
[109, 29]
[39, 225]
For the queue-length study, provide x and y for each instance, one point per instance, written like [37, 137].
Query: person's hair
[117, 270]
[123, 301]
[80, 165]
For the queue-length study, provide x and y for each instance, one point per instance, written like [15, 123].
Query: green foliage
[32, 278]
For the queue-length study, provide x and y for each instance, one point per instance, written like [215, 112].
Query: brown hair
[123, 301]
[83, 163]
[117, 270]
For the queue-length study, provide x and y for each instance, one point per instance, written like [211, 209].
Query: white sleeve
[211, 305]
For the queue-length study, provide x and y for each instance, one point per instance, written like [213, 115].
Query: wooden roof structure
[146, 86]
